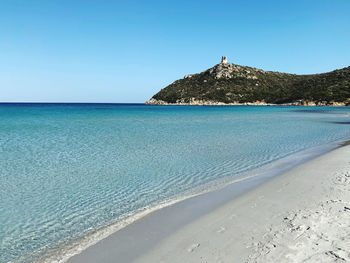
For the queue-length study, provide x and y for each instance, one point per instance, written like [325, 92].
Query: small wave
[76, 247]
[282, 165]
[68, 250]
[340, 122]
[319, 111]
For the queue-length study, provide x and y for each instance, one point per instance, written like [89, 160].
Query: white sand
[301, 216]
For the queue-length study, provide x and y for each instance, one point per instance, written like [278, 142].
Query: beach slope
[301, 216]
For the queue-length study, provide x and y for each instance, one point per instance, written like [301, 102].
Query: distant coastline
[256, 103]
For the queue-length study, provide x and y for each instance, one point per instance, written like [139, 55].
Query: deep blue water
[67, 170]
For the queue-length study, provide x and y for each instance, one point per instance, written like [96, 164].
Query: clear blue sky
[125, 51]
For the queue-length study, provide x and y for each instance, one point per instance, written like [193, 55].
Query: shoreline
[195, 102]
[114, 243]
[300, 216]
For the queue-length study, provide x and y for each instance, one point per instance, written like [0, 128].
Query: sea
[71, 174]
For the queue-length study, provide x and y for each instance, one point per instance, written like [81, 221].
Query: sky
[126, 51]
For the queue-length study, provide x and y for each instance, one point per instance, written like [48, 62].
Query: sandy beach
[300, 216]
[174, 131]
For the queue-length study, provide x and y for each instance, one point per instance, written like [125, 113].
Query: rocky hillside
[227, 83]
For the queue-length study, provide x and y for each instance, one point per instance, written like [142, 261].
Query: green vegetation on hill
[230, 83]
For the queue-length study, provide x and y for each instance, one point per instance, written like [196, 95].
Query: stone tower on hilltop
[224, 59]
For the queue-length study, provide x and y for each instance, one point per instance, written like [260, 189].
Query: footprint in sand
[193, 247]
[221, 230]
[233, 216]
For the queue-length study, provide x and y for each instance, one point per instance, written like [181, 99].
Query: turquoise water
[67, 170]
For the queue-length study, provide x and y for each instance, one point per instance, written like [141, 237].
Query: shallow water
[67, 170]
